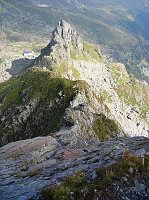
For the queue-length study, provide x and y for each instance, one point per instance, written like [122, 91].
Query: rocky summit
[73, 125]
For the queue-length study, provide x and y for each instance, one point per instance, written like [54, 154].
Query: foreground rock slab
[27, 167]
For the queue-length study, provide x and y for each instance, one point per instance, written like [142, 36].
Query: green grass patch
[89, 53]
[77, 187]
[34, 84]
[104, 97]
[105, 128]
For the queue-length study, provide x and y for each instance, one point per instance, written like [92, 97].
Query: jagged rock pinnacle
[64, 38]
[66, 34]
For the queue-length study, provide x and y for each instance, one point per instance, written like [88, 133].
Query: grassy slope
[43, 84]
[35, 84]
[105, 128]
[53, 94]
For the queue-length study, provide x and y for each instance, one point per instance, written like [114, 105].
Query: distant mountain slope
[120, 26]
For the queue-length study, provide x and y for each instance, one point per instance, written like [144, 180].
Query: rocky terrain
[69, 119]
[31, 166]
[110, 81]
[73, 78]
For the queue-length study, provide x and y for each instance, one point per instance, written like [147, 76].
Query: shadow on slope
[19, 66]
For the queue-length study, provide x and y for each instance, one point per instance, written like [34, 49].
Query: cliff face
[58, 51]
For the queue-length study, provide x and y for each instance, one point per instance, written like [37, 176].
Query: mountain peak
[64, 39]
[64, 24]
[66, 34]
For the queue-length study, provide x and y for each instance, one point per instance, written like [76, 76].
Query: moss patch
[105, 128]
[89, 53]
[79, 188]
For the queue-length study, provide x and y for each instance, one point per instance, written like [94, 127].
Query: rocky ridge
[105, 88]
[74, 59]
[77, 100]
[57, 104]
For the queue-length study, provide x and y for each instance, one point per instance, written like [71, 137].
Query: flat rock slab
[26, 167]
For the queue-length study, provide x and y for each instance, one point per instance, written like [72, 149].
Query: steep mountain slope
[35, 103]
[120, 26]
[39, 103]
[73, 88]
[71, 57]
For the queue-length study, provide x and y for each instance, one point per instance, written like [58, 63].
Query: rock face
[68, 35]
[27, 167]
[38, 107]
[58, 50]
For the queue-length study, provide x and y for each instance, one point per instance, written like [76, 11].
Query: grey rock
[131, 170]
[62, 162]
[139, 186]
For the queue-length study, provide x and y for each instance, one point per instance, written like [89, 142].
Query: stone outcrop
[29, 166]
[58, 50]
